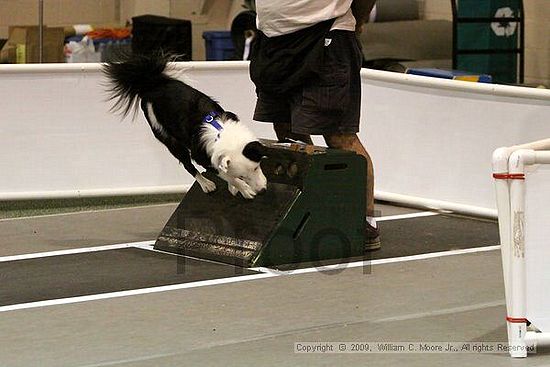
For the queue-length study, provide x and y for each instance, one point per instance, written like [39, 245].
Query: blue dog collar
[211, 119]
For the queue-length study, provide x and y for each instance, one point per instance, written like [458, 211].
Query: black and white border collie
[189, 123]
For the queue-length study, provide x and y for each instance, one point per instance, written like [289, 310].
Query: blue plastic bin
[219, 45]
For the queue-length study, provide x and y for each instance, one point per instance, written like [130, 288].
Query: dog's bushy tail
[133, 76]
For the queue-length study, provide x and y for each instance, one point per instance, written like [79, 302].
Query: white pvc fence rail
[429, 138]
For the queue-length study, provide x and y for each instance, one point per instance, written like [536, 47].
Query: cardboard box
[7, 55]
[23, 45]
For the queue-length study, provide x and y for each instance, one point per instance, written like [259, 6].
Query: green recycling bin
[488, 38]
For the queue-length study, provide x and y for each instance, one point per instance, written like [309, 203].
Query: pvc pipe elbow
[518, 160]
[500, 159]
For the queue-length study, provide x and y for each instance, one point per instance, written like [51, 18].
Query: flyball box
[313, 209]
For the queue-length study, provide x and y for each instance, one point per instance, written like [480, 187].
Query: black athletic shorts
[330, 102]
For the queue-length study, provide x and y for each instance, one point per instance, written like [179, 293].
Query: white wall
[429, 138]
[58, 139]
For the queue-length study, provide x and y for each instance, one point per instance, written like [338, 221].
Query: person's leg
[352, 143]
[283, 132]
[276, 110]
[330, 105]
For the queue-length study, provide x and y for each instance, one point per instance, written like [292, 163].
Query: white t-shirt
[278, 17]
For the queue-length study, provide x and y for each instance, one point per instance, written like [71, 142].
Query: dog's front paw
[242, 187]
[247, 192]
[232, 189]
[206, 185]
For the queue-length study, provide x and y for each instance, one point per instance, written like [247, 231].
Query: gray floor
[456, 298]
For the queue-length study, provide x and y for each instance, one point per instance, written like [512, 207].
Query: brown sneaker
[372, 238]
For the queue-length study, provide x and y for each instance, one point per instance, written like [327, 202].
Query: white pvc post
[509, 174]
[502, 188]
[517, 323]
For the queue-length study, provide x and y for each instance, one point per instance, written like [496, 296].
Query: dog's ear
[225, 116]
[224, 164]
[254, 151]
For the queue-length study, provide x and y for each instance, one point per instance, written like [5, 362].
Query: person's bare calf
[352, 143]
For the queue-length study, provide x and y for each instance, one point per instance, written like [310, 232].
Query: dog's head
[244, 164]
[235, 151]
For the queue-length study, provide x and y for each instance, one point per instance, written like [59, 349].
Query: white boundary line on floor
[134, 292]
[146, 245]
[389, 260]
[268, 273]
[81, 250]
[389, 217]
[406, 216]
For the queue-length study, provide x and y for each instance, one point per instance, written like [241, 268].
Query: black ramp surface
[101, 272]
[222, 227]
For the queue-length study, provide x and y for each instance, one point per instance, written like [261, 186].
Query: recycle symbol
[504, 28]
